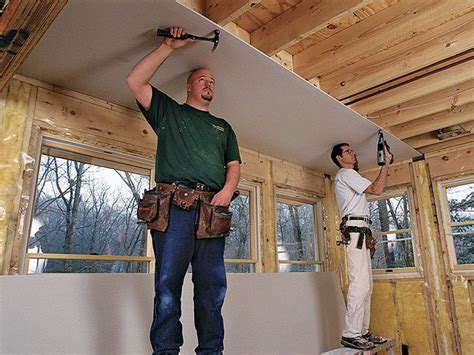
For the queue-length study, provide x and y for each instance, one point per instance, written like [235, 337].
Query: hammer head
[215, 40]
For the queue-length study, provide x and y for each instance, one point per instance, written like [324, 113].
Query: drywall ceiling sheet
[92, 45]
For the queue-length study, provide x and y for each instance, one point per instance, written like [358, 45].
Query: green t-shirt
[192, 144]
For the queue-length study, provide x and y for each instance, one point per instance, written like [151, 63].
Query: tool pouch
[185, 198]
[154, 209]
[214, 221]
[370, 243]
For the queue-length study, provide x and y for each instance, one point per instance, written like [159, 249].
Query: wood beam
[268, 243]
[438, 101]
[300, 21]
[445, 145]
[434, 271]
[224, 11]
[15, 123]
[421, 87]
[34, 19]
[431, 138]
[447, 118]
[389, 27]
[436, 67]
[444, 41]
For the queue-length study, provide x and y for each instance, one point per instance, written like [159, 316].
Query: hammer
[215, 39]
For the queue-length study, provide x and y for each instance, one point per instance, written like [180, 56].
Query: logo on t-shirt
[219, 128]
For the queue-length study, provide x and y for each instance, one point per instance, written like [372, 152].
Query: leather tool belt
[364, 232]
[212, 222]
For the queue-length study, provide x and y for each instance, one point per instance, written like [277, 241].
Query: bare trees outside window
[238, 244]
[391, 226]
[461, 213]
[84, 218]
[296, 238]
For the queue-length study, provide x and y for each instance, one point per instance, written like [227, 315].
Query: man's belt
[192, 185]
[356, 218]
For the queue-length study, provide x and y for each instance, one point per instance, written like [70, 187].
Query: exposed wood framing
[34, 17]
[11, 145]
[433, 68]
[460, 161]
[442, 42]
[390, 27]
[457, 115]
[398, 174]
[455, 143]
[305, 18]
[426, 105]
[268, 243]
[431, 138]
[434, 269]
[224, 11]
[417, 88]
[335, 255]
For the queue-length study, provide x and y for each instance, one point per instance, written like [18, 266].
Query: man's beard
[207, 97]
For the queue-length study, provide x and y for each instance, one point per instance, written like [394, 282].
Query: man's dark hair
[337, 150]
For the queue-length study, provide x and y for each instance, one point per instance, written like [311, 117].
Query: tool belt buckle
[185, 198]
[200, 186]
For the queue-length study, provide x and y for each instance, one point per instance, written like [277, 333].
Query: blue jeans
[174, 250]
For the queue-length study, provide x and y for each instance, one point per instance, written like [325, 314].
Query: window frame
[403, 272]
[108, 158]
[251, 189]
[295, 197]
[446, 223]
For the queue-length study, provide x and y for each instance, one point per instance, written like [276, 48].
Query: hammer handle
[164, 33]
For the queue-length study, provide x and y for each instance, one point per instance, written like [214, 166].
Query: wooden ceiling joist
[442, 100]
[448, 144]
[431, 69]
[431, 138]
[433, 122]
[421, 87]
[389, 27]
[223, 12]
[300, 21]
[444, 41]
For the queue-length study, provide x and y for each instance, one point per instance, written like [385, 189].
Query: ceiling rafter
[431, 138]
[444, 41]
[433, 122]
[300, 21]
[426, 105]
[223, 12]
[391, 26]
[417, 88]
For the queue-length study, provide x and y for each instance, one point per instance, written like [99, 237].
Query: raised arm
[378, 185]
[139, 77]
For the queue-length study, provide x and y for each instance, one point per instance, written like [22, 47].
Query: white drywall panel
[92, 45]
[297, 313]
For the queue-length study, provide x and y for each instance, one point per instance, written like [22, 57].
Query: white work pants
[360, 286]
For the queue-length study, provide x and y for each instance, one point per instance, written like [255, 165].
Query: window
[392, 228]
[240, 250]
[84, 215]
[458, 213]
[298, 247]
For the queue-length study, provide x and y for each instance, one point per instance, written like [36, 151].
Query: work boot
[373, 338]
[359, 343]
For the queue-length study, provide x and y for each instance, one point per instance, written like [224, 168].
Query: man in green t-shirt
[195, 149]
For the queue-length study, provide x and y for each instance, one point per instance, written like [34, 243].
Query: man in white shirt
[350, 189]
